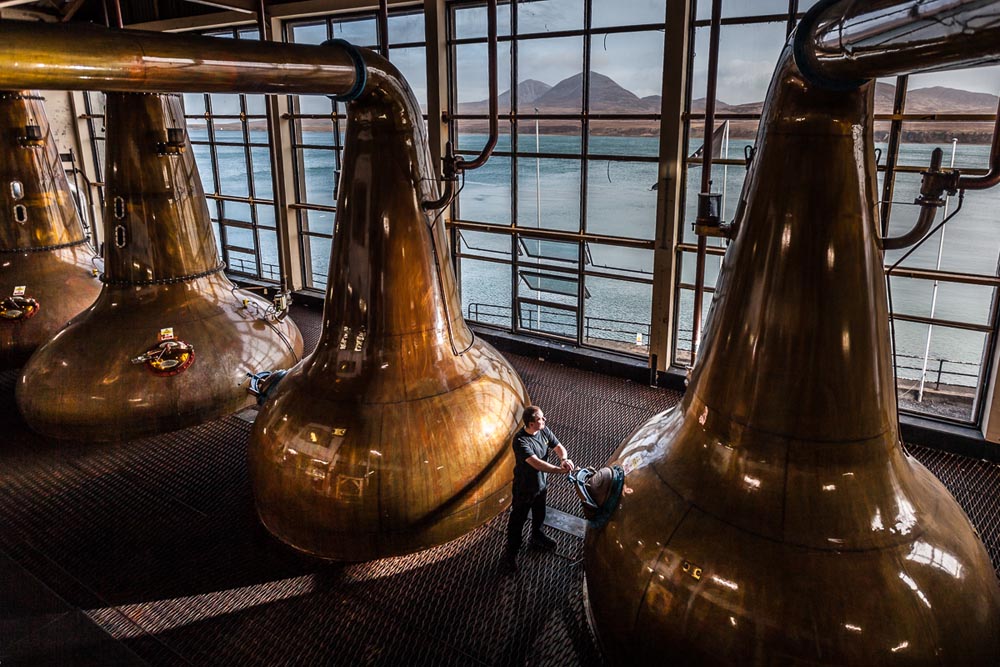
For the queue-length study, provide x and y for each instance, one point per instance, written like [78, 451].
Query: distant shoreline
[913, 132]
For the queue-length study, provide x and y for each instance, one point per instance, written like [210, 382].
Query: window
[317, 125]
[555, 233]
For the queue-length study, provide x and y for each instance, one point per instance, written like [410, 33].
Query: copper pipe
[84, 57]
[991, 177]
[706, 170]
[491, 56]
[843, 43]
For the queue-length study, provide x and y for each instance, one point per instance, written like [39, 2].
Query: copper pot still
[774, 517]
[170, 339]
[46, 271]
[393, 436]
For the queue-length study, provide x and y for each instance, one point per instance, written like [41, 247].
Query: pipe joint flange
[360, 70]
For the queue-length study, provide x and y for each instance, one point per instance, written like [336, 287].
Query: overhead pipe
[453, 164]
[840, 45]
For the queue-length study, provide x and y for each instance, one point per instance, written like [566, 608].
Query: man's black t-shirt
[527, 480]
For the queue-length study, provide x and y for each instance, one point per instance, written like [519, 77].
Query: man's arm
[565, 465]
[544, 466]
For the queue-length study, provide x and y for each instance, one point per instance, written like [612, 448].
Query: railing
[268, 271]
[958, 366]
[626, 335]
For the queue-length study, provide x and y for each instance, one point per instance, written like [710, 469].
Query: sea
[622, 202]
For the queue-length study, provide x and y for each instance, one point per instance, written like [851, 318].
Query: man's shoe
[509, 563]
[542, 541]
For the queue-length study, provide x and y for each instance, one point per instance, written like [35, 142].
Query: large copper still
[46, 274]
[773, 517]
[394, 434]
[170, 339]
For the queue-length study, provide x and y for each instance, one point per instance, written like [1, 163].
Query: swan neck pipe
[841, 44]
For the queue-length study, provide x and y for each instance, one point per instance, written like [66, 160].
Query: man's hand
[566, 466]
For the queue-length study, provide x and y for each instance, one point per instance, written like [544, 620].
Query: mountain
[527, 92]
[606, 96]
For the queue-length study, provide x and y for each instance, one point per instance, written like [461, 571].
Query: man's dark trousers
[519, 512]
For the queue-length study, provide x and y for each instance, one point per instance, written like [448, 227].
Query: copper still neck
[781, 322]
[38, 209]
[151, 176]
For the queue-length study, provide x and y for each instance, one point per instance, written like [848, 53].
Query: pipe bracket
[360, 70]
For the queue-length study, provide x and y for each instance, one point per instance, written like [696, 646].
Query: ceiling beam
[14, 3]
[70, 10]
[247, 6]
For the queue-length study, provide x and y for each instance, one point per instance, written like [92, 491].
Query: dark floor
[149, 552]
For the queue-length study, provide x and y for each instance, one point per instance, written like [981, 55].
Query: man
[532, 445]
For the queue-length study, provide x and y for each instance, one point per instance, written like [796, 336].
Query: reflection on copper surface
[424, 410]
[45, 275]
[162, 284]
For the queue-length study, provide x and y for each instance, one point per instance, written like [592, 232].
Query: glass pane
[412, 63]
[225, 104]
[262, 183]
[963, 145]
[484, 244]
[239, 211]
[541, 253]
[360, 32]
[549, 284]
[471, 21]
[315, 104]
[969, 304]
[203, 159]
[627, 12]
[471, 82]
[546, 319]
[638, 138]
[269, 268]
[683, 330]
[472, 136]
[731, 8]
[485, 197]
[689, 264]
[747, 56]
[938, 369]
[617, 315]
[241, 262]
[549, 16]
[255, 105]
[194, 103]
[620, 198]
[626, 72]
[549, 136]
[317, 253]
[233, 171]
[486, 292]
[308, 34]
[316, 222]
[958, 88]
[406, 28]
[548, 193]
[619, 259]
[556, 62]
[319, 176]
[316, 132]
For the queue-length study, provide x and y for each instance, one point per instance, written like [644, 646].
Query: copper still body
[393, 436]
[170, 339]
[773, 517]
[46, 274]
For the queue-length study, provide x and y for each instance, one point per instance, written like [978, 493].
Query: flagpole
[934, 291]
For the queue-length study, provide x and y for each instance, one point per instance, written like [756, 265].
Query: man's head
[533, 418]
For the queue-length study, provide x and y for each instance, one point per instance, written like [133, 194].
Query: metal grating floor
[150, 553]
